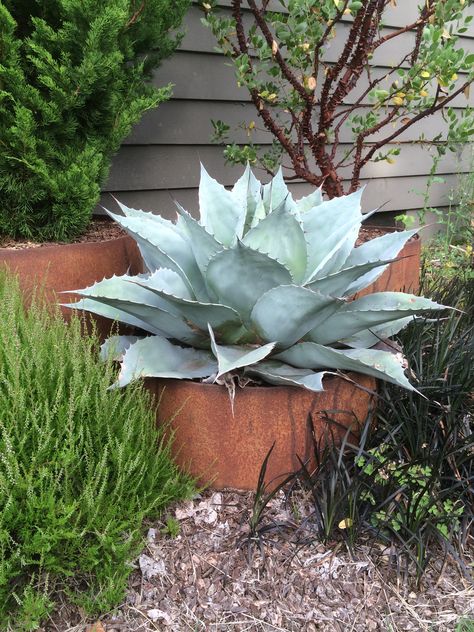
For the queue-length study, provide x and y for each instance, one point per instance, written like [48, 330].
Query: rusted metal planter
[402, 275]
[228, 451]
[71, 266]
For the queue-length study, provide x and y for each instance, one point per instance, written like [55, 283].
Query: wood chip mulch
[102, 229]
[98, 230]
[210, 578]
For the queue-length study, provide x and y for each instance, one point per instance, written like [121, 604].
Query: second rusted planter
[402, 275]
[63, 267]
[228, 450]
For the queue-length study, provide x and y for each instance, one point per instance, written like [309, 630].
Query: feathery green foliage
[73, 81]
[80, 467]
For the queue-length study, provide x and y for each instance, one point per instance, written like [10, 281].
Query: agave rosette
[259, 287]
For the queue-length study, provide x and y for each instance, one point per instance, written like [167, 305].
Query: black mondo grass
[80, 468]
[437, 433]
[408, 482]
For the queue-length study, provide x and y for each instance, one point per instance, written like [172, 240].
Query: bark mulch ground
[98, 230]
[209, 577]
[102, 229]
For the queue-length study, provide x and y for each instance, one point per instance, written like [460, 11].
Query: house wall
[159, 161]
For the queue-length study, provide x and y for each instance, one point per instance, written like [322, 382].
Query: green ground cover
[80, 468]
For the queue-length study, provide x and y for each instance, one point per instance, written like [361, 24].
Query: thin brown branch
[259, 103]
[360, 56]
[287, 73]
[355, 181]
[325, 35]
[424, 113]
[136, 15]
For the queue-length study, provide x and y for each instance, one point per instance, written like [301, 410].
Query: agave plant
[259, 288]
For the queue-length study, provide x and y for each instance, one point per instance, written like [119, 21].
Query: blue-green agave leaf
[370, 337]
[157, 357]
[337, 257]
[276, 193]
[139, 213]
[162, 245]
[119, 287]
[280, 374]
[281, 237]
[369, 311]
[166, 280]
[331, 230]
[286, 313]
[157, 319]
[225, 320]
[96, 306]
[336, 284]
[222, 213]
[230, 358]
[380, 364]
[260, 213]
[240, 276]
[248, 191]
[309, 201]
[203, 245]
[115, 346]
[386, 247]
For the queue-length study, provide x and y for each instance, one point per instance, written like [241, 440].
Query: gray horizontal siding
[159, 161]
[397, 194]
[185, 122]
[177, 166]
[398, 15]
[208, 77]
[200, 39]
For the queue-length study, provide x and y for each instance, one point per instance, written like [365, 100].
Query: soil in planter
[367, 233]
[100, 229]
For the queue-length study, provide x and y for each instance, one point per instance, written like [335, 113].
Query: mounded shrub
[73, 80]
[80, 467]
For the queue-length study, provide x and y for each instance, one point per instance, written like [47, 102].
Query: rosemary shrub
[80, 467]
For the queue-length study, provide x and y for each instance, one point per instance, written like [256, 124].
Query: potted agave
[256, 294]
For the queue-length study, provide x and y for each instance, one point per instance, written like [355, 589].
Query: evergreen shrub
[80, 468]
[73, 80]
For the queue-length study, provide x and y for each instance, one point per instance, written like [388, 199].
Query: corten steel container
[227, 451]
[402, 275]
[71, 266]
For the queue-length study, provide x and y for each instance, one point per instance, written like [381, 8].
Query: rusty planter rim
[227, 451]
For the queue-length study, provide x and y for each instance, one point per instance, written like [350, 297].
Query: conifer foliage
[73, 80]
